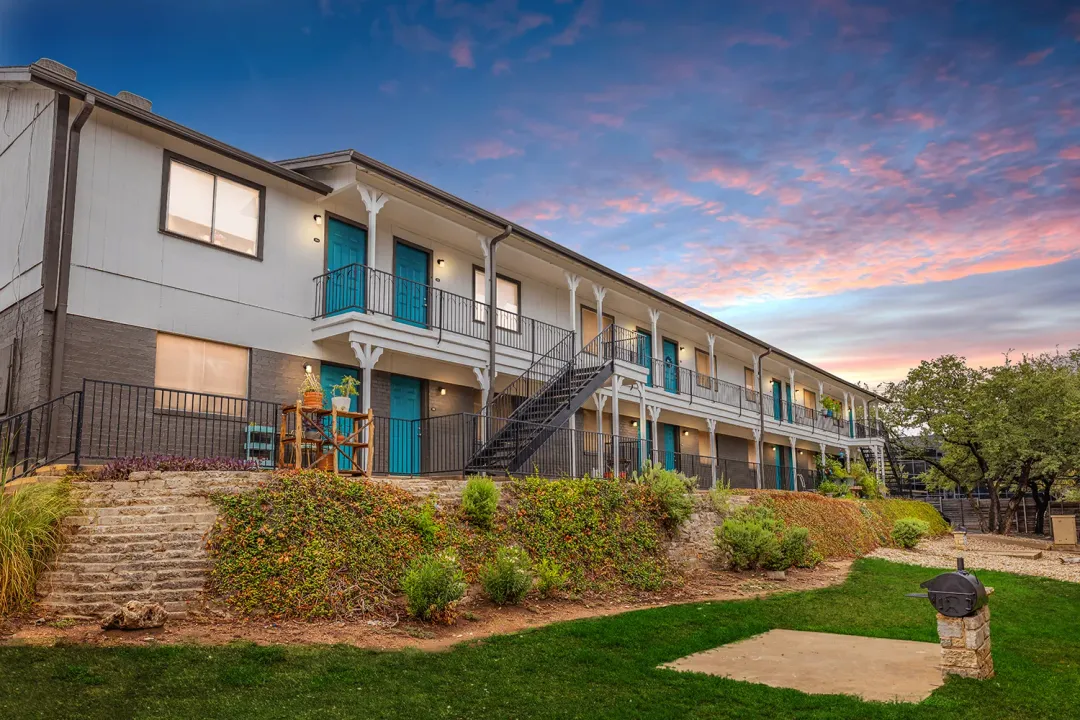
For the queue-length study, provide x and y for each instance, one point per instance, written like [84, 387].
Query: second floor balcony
[431, 311]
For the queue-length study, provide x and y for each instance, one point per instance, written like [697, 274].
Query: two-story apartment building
[141, 254]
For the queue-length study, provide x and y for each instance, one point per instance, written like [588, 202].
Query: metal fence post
[78, 426]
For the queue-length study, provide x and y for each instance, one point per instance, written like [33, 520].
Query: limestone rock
[136, 616]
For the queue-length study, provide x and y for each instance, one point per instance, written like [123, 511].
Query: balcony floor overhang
[385, 332]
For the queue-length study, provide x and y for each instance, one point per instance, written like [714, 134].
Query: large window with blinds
[196, 375]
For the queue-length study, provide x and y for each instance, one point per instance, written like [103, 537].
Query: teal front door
[779, 450]
[778, 399]
[671, 366]
[404, 425]
[346, 258]
[644, 352]
[411, 269]
[670, 435]
[329, 376]
[790, 404]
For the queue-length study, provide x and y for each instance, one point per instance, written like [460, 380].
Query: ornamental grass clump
[508, 578]
[29, 537]
[480, 501]
[433, 585]
[908, 531]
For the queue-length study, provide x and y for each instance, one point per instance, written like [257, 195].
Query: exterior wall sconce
[442, 391]
[440, 262]
[686, 433]
[318, 220]
[307, 368]
[633, 424]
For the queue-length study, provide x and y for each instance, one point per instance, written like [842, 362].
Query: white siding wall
[126, 271]
[27, 117]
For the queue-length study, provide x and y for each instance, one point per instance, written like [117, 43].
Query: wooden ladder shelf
[317, 439]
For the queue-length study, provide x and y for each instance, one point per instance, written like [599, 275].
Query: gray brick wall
[25, 325]
[103, 350]
[276, 376]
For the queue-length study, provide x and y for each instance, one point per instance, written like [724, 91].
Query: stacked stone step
[139, 539]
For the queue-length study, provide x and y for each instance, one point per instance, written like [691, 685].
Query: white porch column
[866, 417]
[600, 401]
[822, 447]
[643, 435]
[846, 410]
[654, 417]
[760, 450]
[711, 424]
[599, 292]
[367, 356]
[820, 396]
[847, 458]
[373, 201]
[616, 382]
[794, 475]
[484, 378]
[654, 318]
[791, 386]
[572, 282]
[713, 388]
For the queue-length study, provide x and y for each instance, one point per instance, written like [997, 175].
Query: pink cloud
[500, 67]
[461, 52]
[1070, 153]
[923, 118]
[1036, 57]
[606, 119]
[734, 178]
[789, 196]
[492, 150]
[1023, 175]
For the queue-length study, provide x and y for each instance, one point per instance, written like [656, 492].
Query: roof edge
[46, 78]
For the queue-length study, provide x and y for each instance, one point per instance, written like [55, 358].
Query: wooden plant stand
[325, 447]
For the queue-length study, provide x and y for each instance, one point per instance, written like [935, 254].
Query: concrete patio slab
[826, 664]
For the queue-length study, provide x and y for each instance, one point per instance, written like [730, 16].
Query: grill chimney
[132, 99]
[58, 68]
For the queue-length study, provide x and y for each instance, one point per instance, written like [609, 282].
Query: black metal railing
[122, 420]
[679, 380]
[39, 436]
[359, 288]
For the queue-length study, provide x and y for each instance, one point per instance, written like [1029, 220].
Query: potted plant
[831, 406]
[344, 392]
[312, 393]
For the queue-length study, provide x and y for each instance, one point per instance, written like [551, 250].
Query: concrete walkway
[826, 664]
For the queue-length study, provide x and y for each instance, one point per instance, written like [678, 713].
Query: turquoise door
[778, 399]
[790, 405]
[411, 267]
[644, 352]
[346, 256]
[329, 376]
[671, 366]
[851, 423]
[670, 435]
[404, 425]
[779, 450]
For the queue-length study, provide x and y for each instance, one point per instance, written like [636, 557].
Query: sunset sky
[865, 184]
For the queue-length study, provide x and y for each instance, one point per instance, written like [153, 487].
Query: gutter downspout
[492, 289]
[761, 419]
[493, 320]
[66, 233]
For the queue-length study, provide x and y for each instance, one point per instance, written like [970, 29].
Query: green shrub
[507, 578]
[433, 584]
[720, 496]
[550, 577]
[672, 490]
[424, 522]
[908, 531]
[29, 536]
[796, 548]
[745, 542]
[479, 501]
[828, 488]
[861, 476]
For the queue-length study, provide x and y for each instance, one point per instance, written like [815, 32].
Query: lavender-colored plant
[122, 468]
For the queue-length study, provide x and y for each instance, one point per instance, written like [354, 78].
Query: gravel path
[941, 553]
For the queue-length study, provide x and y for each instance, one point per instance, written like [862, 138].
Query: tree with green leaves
[1011, 429]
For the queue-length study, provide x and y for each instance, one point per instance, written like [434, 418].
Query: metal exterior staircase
[521, 418]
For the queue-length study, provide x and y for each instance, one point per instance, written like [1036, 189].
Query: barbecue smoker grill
[954, 594]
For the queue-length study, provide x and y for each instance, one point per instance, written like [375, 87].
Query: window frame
[168, 157]
[581, 322]
[498, 276]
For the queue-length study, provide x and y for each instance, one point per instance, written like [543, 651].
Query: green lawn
[603, 668]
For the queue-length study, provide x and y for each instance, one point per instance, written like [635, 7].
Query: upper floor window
[508, 299]
[203, 204]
